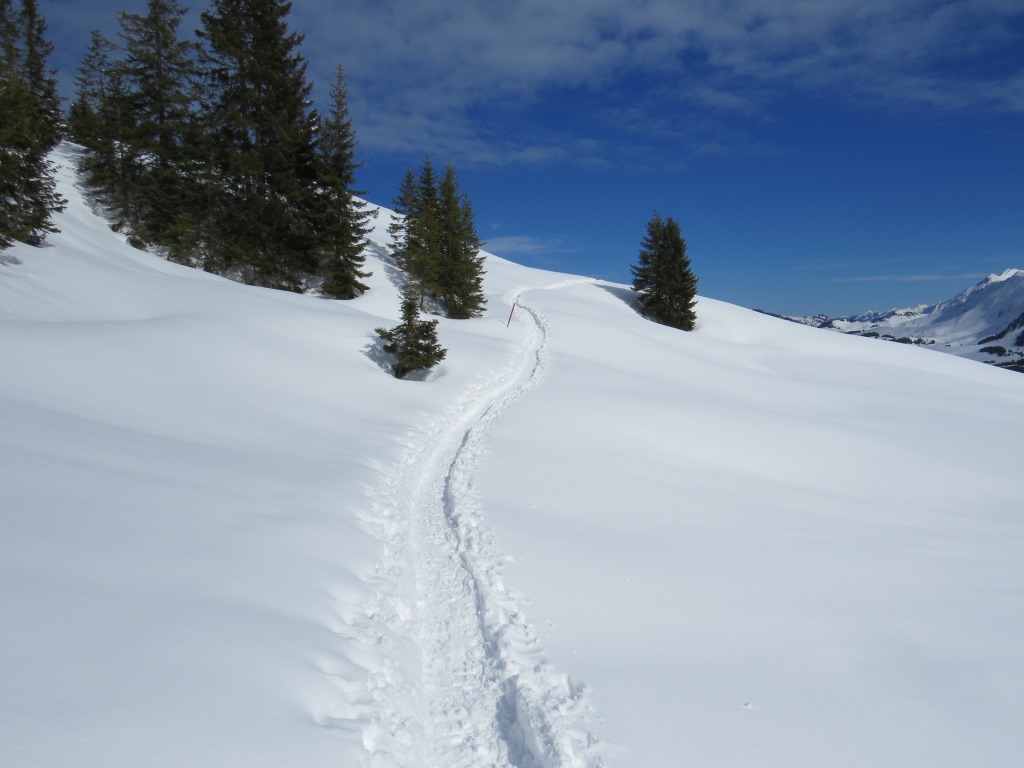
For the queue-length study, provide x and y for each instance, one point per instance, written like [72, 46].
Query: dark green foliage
[436, 243]
[343, 223]
[457, 282]
[403, 204]
[663, 280]
[101, 121]
[212, 150]
[37, 77]
[92, 88]
[262, 225]
[29, 128]
[995, 350]
[413, 343]
[133, 111]
[159, 73]
[421, 228]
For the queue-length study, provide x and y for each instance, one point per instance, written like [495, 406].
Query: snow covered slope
[229, 538]
[984, 322]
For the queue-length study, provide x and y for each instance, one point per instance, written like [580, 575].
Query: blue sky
[824, 156]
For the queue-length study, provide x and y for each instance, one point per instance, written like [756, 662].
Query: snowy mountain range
[985, 322]
[228, 537]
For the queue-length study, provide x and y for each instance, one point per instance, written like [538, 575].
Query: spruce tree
[28, 129]
[436, 243]
[663, 279]
[422, 235]
[102, 121]
[159, 73]
[92, 85]
[37, 76]
[344, 218]
[403, 204]
[8, 36]
[457, 282]
[262, 225]
[413, 343]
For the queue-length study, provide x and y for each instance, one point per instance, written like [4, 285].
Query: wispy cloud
[920, 278]
[524, 245]
[452, 77]
[428, 69]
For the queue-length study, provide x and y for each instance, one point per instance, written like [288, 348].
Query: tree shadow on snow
[393, 272]
[626, 295]
[7, 260]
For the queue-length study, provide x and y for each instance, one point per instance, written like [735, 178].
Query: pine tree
[92, 85]
[102, 121]
[403, 204]
[262, 224]
[436, 243]
[159, 73]
[8, 36]
[37, 76]
[663, 279]
[457, 282]
[413, 343]
[344, 219]
[28, 130]
[422, 234]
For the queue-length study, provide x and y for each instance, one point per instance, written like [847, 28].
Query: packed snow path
[489, 696]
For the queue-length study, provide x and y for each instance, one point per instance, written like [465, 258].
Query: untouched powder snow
[584, 540]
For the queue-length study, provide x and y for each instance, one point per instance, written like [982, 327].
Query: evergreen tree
[15, 145]
[262, 224]
[403, 204]
[38, 78]
[101, 120]
[457, 282]
[344, 219]
[159, 73]
[422, 234]
[28, 129]
[8, 37]
[413, 343]
[436, 243]
[91, 89]
[663, 280]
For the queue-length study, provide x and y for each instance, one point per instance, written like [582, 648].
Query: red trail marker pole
[510, 314]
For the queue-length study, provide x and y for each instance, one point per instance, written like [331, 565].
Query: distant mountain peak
[982, 322]
[1007, 274]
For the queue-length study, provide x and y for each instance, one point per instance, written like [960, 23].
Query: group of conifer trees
[30, 126]
[434, 241]
[210, 149]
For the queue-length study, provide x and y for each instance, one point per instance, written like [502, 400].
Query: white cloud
[441, 75]
[426, 70]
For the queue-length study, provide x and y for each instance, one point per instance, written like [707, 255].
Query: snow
[962, 325]
[230, 538]
[1006, 274]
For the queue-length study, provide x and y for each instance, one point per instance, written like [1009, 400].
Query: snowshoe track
[489, 696]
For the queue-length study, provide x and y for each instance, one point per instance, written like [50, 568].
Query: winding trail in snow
[487, 696]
